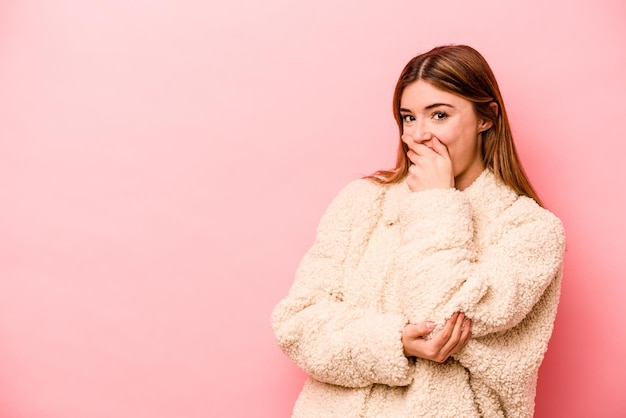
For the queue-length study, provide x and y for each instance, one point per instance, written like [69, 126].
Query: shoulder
[541, 224]
[526, 208]
[358, 193]
[362, 188]
[498, 201]
[358, 199]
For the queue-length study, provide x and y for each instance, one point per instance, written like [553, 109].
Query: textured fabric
[385, 257]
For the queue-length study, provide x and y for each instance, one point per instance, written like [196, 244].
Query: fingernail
[430, 325]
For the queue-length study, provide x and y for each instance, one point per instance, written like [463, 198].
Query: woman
[431, 289]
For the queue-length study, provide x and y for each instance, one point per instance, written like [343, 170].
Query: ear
[483, 125]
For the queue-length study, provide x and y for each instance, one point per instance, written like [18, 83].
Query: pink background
[163, 165]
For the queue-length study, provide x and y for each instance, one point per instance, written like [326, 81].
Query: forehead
[420, 94]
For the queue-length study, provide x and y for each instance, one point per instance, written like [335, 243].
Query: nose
[418, 131]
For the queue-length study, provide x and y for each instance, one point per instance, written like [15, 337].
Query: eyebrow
[432, 106]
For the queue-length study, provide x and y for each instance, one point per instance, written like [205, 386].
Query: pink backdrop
[163, 165]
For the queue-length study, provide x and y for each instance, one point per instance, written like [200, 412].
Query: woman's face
[428, 112]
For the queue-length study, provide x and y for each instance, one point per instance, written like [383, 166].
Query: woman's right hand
[431, 165]
[453, 337]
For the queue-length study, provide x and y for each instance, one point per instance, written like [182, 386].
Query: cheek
[459, 144]
[462, 138]
[448, 133]
[447, 138]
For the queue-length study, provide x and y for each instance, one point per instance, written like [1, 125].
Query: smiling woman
[460, 75]
[437, 124]
[431, 289]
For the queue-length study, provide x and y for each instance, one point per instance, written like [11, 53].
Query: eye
[439, 115]
[408, 119]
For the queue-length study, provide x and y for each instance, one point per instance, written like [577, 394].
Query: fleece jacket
[384, 257]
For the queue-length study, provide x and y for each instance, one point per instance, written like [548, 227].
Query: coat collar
[487, 195]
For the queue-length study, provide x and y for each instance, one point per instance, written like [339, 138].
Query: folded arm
[443, 270]
[328, 338]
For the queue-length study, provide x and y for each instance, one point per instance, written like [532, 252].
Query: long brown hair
[461, 70]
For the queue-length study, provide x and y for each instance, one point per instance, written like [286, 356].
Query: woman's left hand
[452, 338]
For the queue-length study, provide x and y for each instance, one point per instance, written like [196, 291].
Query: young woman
[431, 289]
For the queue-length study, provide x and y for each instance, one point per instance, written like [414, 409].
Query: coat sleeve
[325, 336]
[496, 285]
[508, 283]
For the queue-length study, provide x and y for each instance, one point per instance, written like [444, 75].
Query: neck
[463, 180]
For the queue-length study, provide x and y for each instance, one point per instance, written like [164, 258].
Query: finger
[413, 331]
[421, 149]
[467, 332]
[440, 148]
[465, 336]
[425, 328]
[455, 336]
[443, 336]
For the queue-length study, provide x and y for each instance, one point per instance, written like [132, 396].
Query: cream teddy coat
[385, 257]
